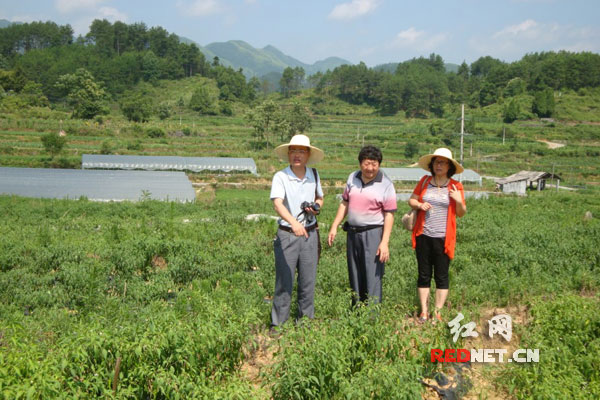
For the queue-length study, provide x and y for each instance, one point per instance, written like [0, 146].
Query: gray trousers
[294, 253]
[364, 268]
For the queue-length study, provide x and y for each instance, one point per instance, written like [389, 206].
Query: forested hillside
[43, 64]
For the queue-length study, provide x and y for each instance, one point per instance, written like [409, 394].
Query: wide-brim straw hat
[316, 154]
[441, 152]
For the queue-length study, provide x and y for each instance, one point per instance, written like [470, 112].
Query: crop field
[524, 145]
[163, 300]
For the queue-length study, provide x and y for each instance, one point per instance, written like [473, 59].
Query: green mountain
[260, 62]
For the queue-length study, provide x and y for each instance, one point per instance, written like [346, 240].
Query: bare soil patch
[552, 145]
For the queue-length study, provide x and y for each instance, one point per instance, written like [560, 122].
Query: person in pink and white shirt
[369, 203]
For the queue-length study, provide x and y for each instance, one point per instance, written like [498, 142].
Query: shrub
[164, 111]
[53, 143]
[155, 132]
[107, 147]
[137, 108]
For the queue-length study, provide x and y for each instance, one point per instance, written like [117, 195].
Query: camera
[315, 206]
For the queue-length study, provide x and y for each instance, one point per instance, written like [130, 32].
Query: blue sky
[373, 31]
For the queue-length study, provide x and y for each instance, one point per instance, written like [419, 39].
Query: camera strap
[316, 175]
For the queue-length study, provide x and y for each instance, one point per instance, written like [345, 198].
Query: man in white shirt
[297, 197]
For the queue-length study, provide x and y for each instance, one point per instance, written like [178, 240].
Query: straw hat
[316, 154]
[441, 152]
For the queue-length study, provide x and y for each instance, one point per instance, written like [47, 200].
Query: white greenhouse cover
[97, 185]
[415, 174]
[167, 163]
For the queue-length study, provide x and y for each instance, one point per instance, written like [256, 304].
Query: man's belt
[308, 228]
[358, 229]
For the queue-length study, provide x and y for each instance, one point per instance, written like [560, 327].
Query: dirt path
[552, 145]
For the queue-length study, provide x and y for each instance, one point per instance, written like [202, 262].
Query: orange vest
[450, 241]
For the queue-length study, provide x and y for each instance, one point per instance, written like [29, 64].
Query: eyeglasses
[297, 151]
[441, 162]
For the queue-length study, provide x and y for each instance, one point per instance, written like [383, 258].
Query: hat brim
[425, 160]
[316, 154]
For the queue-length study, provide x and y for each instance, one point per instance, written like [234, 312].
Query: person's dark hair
[451, 167]
[370, 153]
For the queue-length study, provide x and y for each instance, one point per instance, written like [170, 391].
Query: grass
[84, 283]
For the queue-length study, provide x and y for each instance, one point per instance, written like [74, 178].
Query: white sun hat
[441, 152]
[316, 154]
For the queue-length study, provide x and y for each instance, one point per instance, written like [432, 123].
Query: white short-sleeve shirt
[294, 191]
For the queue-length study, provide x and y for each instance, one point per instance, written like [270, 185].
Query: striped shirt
[436, 217]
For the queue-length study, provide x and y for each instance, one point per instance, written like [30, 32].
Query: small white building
[518, 183]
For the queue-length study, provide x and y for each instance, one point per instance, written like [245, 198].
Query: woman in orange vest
[438, 199]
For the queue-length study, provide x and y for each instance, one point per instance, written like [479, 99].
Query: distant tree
[225, 107]
[3, 62]
[484, 65]
[411, 149]
[14, 80]
[254, 84]
[53, 143]
[291, 81]
[463, 71]
[33, 95]
[511, 111]
[313, 80]
[102, 35]
[488, 94]
[120, 39]
[85, 95]
[202, 101]
[164, 110]
[458, 84]
[543, 103]
[298, 120]
[515, 87]
[265, 119]
[137, 36]
[137, 107]
[389, 94]
[150, 67]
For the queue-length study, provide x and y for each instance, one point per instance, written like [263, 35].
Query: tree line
[117, 54]
[422, 86]
[43, 63]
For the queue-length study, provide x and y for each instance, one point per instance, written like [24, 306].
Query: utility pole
[553, 178]
[503, 134]
[462, 132]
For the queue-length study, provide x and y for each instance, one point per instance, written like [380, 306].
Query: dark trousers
[364, 268]
[432, 259]
[294, 253]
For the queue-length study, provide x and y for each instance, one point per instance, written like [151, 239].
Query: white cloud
[353, 9]
[408, 36]
[418, 40]
[112, 14]
[200, 8]
[81, 26]
[514, 41]
[527, 27]
[68, 6]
